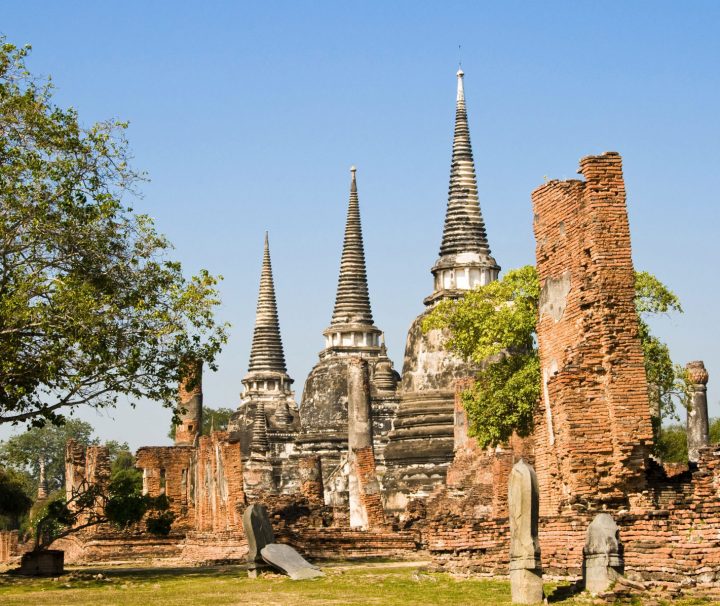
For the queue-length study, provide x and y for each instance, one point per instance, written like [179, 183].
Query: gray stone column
[359, 434]
[602, 562]
[698, 429]
[523, 509]
[359, 421]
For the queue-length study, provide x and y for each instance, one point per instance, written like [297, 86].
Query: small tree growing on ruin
[120, 504]
[494, 326]
[92, 306]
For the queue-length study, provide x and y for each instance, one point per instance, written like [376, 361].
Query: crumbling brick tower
[593, 431]
[190, 397]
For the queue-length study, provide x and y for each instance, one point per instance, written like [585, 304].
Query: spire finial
[460, 90]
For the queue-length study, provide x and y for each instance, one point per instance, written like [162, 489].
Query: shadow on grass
[560, 593]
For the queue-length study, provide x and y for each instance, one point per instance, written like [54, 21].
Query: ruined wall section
[8, 545]
[593, 431]
[85, 466]
[369, 488]
[170, 470]
[672, 541]
[220, 494]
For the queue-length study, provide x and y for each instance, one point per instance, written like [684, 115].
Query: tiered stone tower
[351, 334]
[465, 260]
[421, 443]
[267, 385]
[352, 325]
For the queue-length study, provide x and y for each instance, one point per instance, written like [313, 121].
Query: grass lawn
[344, 584]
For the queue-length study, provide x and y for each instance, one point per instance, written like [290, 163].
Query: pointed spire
[465, 261]
[352, 302]
[259, 443]
[267, 350]
[464, 226]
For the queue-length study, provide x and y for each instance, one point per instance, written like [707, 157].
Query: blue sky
[247, 117]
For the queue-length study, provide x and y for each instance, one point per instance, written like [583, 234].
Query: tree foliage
[14, 500]
[671, 444]
[494, 326]
[120, 504]
[715, 430]
[91, 306]
[24, 451]
[667, 381]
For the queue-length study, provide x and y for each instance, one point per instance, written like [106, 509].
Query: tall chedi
[421, 443]
[267, 383]
[351, 334]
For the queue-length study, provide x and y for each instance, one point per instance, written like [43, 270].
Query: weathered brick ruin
[593, 434]
[377, 464]
[190, 400]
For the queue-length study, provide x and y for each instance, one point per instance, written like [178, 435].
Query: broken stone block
[259, 533]
[44, 563]
[290, 562]
[602, 561]
[523, 509]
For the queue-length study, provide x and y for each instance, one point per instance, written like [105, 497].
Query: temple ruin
[374, 463]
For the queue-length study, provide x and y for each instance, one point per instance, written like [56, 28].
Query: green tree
[667, 381]
[715, 430]
[14, 500]
[671, 445]
[122, 464]
[217, 418]
[494, 326]
[23, 452]
[120, 504]
[92, 308]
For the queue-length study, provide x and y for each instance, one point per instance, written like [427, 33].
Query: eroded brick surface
[593, 428]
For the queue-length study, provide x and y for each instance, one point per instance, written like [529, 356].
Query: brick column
[593, 427]
[311, 482]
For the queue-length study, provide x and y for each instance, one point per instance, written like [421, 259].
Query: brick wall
[85, 466]
[363, 460]
[309, 470]
[671, 539]
[169, 470]
[220, 496]
[593, 433]
[593, 429]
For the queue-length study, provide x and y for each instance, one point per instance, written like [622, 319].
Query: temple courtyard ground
[357, 583]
